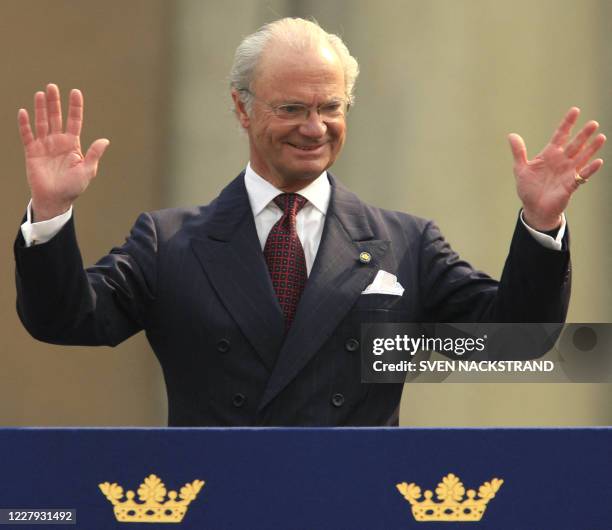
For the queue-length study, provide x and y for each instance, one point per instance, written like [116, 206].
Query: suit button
[351, 345]
[223, 345]
[239, 400]
[337, 400]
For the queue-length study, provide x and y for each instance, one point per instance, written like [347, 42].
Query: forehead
[308, 75]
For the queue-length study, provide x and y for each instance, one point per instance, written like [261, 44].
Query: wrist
[542, 224]
[44, 212]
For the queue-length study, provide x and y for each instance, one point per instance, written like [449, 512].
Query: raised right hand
[56, 169]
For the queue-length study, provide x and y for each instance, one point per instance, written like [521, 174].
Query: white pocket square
[384, 283]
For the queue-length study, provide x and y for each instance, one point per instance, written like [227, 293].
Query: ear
[240, 110]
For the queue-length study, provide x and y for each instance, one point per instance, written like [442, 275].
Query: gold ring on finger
[579, 180]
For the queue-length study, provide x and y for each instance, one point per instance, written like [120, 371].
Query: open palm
[56, 169]
[546, 183]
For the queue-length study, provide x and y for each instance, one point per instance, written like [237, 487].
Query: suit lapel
[231, 257]
[337, 279]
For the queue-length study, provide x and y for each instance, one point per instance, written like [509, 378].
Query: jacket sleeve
[534, 286]
[59, 301]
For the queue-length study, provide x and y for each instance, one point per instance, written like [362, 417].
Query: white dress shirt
[309, 222]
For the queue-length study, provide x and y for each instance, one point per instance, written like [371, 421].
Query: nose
[313, 126]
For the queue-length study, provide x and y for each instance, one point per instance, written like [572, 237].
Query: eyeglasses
[299, 112]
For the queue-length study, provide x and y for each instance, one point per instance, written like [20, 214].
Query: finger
[25, 130]
[576, 145]
[519, 151]
[590, 150]
[591, 168]
[562, 133]
[94, 153]
[75, 113]
[40, 115]
[54, 108]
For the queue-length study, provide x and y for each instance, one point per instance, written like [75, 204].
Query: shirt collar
[261, 192]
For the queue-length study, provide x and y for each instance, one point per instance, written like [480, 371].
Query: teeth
[307, 148]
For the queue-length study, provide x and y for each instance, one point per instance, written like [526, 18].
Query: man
[253, 304]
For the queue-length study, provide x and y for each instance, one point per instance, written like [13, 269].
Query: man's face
[290, 152]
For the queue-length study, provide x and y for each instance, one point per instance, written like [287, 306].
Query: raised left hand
[546, 183]
[57, 171]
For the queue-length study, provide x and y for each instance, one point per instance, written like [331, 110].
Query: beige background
[442, 84]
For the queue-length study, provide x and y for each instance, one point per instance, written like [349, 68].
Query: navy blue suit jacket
[196, 281]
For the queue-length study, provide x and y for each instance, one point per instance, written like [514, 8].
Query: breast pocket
[388, 302]
[373, 308]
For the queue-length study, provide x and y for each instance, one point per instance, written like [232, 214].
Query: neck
[285, 184]
[292, 186]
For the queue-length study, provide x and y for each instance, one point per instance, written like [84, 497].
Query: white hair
[296, 33]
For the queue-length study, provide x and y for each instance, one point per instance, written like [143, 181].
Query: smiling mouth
[307, 147]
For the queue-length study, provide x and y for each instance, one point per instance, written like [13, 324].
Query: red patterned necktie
[285, 256]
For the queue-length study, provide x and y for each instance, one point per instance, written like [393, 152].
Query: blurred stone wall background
[442, 83]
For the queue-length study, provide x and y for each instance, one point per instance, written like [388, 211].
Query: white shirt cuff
[43, 231]
[544, 239]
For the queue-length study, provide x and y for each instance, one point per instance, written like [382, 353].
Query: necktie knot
[290, 203]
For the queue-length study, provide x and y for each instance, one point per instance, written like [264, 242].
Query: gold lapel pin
[365, 257]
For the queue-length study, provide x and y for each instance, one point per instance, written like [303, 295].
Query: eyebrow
[335, 99]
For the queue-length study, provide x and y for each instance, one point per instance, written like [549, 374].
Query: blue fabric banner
[311, 479]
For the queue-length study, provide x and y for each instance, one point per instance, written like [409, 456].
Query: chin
[308, 173]
[308, 169]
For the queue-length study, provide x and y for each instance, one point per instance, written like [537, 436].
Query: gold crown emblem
[152, 508]
[452, 505]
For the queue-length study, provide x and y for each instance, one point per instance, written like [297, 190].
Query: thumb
[95, 152]
[519, 151]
